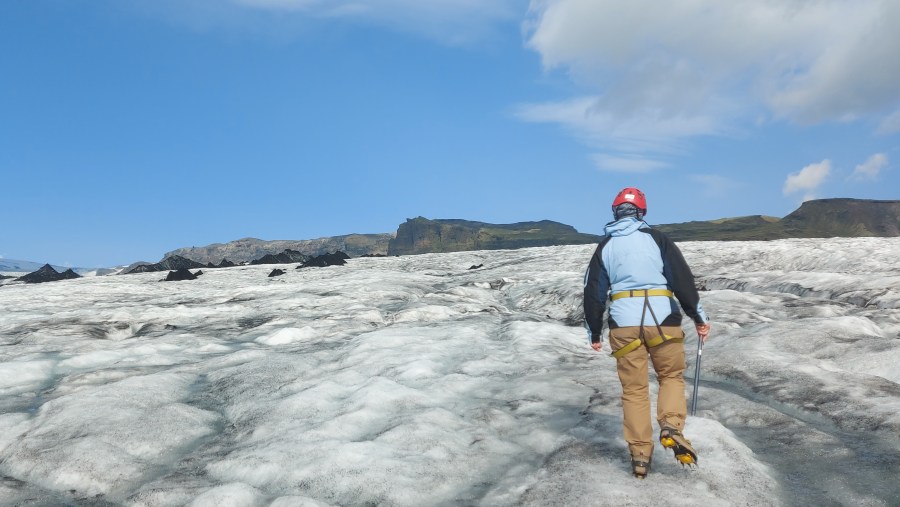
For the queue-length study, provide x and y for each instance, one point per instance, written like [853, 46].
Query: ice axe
[697, 374]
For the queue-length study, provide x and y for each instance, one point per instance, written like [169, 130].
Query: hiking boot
[640, 466]
[670, 438]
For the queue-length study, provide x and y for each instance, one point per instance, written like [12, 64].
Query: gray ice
[415, 381]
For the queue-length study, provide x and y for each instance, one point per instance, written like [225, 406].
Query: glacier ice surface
[415, 381]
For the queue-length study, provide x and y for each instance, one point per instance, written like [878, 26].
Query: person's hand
[703, 331]
[597, 346]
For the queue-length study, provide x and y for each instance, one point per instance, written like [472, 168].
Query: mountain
[17, 266]
[421, 235]
[249, 249]
[749, 228]
[173, 263]
[47, 274]
[817, 218]
[286, 257]
[852, 218]
[820, 218]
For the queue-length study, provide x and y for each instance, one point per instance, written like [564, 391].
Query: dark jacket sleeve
[678, 275]
[596, 289]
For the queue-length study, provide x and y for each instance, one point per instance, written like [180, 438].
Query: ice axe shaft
[697, 374]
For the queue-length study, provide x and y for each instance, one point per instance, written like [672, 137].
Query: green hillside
[821, 218]
[421, 235]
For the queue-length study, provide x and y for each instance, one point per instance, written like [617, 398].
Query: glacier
[416, 381]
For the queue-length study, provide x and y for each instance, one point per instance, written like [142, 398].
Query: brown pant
[668, 361]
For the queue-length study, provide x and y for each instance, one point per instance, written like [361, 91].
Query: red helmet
[633, 196]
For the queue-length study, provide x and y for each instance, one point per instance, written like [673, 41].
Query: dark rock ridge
[817, 218]
[286, 257]
[48, 274]
[421, 235]
[181, 274]
[820, 218]
[224, 264]
[276, 272]
[169, 263]
[333, 259]
[248, 249]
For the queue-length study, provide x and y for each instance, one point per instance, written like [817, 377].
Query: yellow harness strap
[652, 342]
[641, 293]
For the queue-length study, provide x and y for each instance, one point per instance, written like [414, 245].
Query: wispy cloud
[870, 169]
[715, 185]
[627, 163]
[890, 123]
[686, 69]
[648, 131]
[454, 22]
[807, 180]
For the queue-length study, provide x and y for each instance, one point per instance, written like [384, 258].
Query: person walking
[639, 270]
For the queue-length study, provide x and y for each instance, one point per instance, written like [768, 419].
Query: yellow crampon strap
[653, 342]
[641, 293]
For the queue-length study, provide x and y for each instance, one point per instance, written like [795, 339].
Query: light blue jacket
[633, 256]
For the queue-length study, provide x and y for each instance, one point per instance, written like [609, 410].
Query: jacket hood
[624, 226]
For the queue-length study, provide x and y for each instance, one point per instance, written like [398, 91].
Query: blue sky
[133, 127]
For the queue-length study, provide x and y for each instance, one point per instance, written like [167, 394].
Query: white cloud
[627, 163]
[715, 63]
[890, 123]
[646, 129]
[807, 180]
[869, 170]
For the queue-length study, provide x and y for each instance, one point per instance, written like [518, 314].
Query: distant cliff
[820, 218]
[824, 218]
[421, 235]
[817, 218]
[248, 249]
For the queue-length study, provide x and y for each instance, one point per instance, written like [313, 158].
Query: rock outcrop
[48, 274]
[174, 262]
[276, 272]
[248, 249]
[182, 274]
[333, 259]
[286, 257]
[224, 264]
[421, 235]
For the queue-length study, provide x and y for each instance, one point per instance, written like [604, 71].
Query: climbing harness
[640, 340]
[640, 293]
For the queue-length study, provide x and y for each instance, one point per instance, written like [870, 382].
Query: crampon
[670, 438]
[640, 467]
